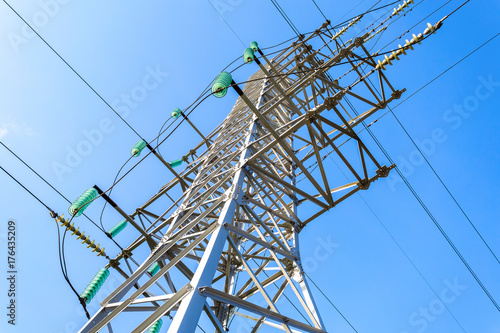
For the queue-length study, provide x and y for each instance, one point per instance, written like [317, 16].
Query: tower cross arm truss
[228, 243]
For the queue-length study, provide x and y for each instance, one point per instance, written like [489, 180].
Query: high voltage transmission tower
[229, 245]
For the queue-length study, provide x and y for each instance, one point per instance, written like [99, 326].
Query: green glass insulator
[154, 269]
[221, 84]
[176, 113]
[139, 146]
[248, 55]
[254, 46]
[76, 209]
[94, 285]
[117, 228]
[175, 164]
[155, 328]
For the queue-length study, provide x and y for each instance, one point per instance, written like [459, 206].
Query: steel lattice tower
[240, 215]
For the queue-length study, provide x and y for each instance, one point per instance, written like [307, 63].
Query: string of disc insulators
[344, 29]
[340, 33]
[81, 235]
[402, 7]
[396, 11]
[417, 39]
[376, 33]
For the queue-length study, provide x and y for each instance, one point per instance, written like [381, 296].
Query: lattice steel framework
[238, 218]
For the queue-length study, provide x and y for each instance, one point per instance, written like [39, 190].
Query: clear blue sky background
[46, 111]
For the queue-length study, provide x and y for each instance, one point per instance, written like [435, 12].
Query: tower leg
[189, 312]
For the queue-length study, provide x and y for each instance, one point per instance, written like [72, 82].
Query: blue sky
[168, 52]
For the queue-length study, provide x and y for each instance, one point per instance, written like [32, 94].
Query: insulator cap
[139, 146]
[254, 46]
[221, 84]
[175, 163]
[80, 204]
[176, 113]
[248, 55]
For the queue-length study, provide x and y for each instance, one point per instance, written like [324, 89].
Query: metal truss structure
[229, 245]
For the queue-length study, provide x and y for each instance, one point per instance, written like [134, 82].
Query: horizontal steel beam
[235, 301]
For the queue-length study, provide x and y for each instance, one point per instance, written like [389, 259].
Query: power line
[326, 66]
[411, 261]
[108, 105]
[431, 216]
[53, 188]
[420, 201]
[421, 88]
[319, 9]
[425, 158]
[276, 5]
[352, 10]
[62, 260]
[376, 54]
[220, 15]
[43, 179]
[444, 185]
[401, 248]
[210, 94]
[194, 106]
[74, 71]
[424, 206]
[105, 203]
[285, 17]
[330, 301]
[431, 81]
[36, 173]
[370, 10]
[444, 72]
[422, 20]
[27, 190]
[376, 3]
[104, 99]
[339, 25]
[436, 223]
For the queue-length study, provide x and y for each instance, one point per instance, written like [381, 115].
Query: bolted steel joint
[364, 184]
[330, 102]
[383, 171]
[344, 53]
[127, 253]
[397, 94]
[114, 263]
[358, 41]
